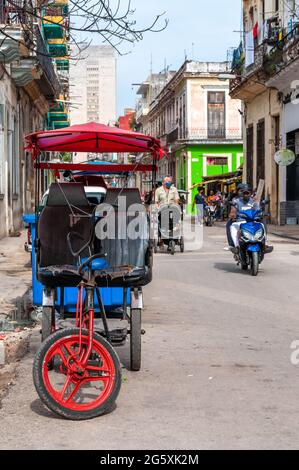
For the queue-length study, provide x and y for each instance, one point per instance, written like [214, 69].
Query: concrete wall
[198, 89]
[19, 116]
[265, 106]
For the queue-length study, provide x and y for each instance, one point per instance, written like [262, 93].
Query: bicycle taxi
[76, 370]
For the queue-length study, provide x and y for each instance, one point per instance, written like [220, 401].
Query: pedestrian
[200, 203]
[167, 193]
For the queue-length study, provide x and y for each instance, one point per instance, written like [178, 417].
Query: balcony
[60, 124]
[172, 136]
[57, 49]
[49, 85]
[285, 69]
[269, 66]
[214, 134]
[12, 44]
[142, 109]
[53, 27]
[56, 10]
[25, 71]
[63, 65]
[249, 81]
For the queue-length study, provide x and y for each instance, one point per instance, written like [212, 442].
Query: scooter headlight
[247, 235]
[259, 235]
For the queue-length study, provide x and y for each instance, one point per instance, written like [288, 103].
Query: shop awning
[227, 178]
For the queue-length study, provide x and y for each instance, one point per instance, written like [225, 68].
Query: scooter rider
[243, 202]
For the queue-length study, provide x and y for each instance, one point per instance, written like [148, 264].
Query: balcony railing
[142, 108]
[259, 58]
[171, 126]
[269, 59]
[47, 65]
[3, 12]
[214, 133]
[16, 13]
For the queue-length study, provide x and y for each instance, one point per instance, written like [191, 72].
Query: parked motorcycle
[210, 214]
[252, 241]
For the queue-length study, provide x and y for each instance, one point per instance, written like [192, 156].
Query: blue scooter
[252, 241]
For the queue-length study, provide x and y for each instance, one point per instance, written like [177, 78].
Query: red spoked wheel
[67, 385]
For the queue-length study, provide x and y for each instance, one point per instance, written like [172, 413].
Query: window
[263, 10]
[276, 132]
[217, 161]
[260, 150]
[292, 170]
[1, 147]
[249, 155]
[15, 158]
[216, 114]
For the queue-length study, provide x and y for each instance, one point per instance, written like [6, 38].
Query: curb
[13, 347]
[283, 235]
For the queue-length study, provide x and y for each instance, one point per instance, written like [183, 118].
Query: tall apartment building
[93, 86]
[266, 68]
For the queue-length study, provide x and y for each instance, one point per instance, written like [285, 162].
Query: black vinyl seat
[67, 210]
[129, 258]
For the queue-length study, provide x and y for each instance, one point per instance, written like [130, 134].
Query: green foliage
[66, 156]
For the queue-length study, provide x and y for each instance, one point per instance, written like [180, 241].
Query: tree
[113, 20]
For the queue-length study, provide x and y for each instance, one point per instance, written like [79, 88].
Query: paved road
[216, 364]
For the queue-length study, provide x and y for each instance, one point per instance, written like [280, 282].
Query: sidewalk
[15, 274]
[284, 231]
[15, 281]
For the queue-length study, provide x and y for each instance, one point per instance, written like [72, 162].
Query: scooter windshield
[250, 214]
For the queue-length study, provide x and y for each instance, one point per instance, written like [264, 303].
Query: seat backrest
[123, 250]
[132, 196]
[65, 194]
[67, 209]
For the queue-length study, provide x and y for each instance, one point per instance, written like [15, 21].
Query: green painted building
[195, 161]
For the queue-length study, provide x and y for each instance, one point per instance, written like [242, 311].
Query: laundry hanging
[255, 30]
[266, 30]
[249, 48]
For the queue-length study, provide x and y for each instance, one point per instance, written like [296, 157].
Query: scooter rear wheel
[69, 388]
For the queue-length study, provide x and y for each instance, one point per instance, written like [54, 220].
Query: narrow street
[216, 368]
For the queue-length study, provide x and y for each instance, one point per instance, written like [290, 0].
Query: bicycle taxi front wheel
[70, 388]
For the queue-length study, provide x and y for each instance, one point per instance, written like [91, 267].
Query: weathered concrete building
[28, 82]
[266, 66]
[198, 123]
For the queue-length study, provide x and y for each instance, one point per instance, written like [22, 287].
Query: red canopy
[92, 137]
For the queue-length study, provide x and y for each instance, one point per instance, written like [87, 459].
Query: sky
[209, 25]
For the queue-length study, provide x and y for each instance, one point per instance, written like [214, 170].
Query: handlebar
[90, 260]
